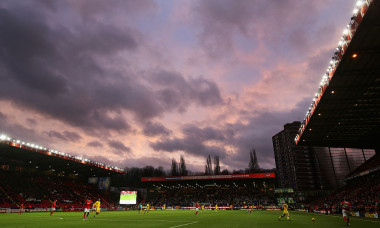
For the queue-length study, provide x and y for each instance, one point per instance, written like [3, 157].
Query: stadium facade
[345, 113]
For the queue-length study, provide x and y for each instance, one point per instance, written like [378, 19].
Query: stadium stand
[229, 192]
[362, 193]
[223, 197]
[36, 176]
[38, 191]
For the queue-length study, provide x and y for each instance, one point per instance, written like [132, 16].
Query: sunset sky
[140, 82]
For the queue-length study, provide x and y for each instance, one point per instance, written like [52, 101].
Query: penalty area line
[183, 224]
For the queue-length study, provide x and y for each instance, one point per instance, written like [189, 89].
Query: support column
[365, 160]
[332, 164]
[348, 163]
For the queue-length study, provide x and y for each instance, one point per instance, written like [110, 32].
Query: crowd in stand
[238, 197]
[363, 194]
[39, 191]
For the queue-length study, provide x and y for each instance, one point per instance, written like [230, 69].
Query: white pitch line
[135, 220]
[183, 224]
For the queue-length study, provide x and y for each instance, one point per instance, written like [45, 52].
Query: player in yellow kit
[203, 207]
[216, 207]
[96, 206]
[285, 212]
[147, 208]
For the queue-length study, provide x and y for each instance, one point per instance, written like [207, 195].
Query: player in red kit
[196, 208]
[53, 205]
[21, 209]
[346, 208]
[87, 208]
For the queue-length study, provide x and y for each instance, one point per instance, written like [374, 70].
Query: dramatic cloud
[3, 117]
[66, 136]
[137, 83]
[177, 93]
[155, 129]
[119, 147]
[31, 121]
[195, 141]
[95, 144]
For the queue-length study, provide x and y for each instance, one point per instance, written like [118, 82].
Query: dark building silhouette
[308, 168]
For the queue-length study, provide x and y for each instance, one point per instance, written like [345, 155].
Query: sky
[136, 83]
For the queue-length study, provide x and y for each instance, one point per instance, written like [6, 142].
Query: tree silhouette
[253, 165]
[182, 167]
[174, 169]
[216, 165]
[208, 166]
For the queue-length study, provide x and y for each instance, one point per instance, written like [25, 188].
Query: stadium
[43, 187]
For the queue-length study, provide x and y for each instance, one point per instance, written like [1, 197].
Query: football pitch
[183, 219]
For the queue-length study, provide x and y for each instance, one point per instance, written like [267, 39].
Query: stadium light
[3, 137]
[337, 59]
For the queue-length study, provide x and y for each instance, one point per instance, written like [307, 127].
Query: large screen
[128, 197]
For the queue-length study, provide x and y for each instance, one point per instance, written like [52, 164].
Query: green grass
[183, 219]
